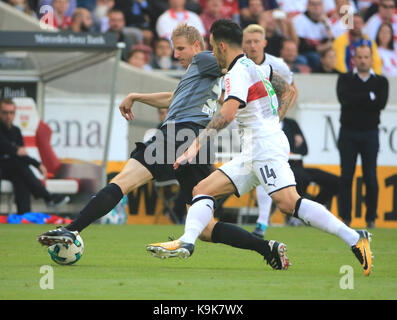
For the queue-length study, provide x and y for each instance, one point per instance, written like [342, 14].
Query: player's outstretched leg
[98, 206]
[198, 217]
[133, 175]
[274, 252]
[317, 216]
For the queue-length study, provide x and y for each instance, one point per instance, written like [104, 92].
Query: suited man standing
[362, 95]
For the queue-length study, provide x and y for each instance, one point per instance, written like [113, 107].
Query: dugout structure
[30, 60]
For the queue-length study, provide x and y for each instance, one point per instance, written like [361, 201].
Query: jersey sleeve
[207, 65]
[284, 72]
[237, 82]
[266, 71]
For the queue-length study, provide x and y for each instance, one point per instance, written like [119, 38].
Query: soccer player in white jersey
[258, 99]
[254, 44]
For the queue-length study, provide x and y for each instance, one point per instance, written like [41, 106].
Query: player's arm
[286, 94]
[157, 100]
[220, 120]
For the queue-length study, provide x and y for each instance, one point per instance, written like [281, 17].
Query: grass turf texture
[115, 265]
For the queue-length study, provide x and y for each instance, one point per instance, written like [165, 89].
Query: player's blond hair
[190, 33]
[253, 28]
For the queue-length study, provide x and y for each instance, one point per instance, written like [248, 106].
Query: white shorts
[272, 174]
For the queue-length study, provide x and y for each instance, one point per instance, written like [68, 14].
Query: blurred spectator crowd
[312, 36]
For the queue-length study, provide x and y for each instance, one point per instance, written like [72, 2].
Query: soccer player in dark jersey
[191, 107]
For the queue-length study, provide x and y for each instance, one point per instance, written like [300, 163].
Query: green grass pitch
[115, 265]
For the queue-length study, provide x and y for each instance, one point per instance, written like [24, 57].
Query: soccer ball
[65, 253]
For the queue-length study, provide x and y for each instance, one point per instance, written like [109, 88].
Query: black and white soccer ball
[67, 253]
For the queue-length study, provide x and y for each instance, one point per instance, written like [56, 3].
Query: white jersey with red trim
[280, 67]
[257, 116]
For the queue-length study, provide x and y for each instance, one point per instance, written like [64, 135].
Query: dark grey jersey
[196, 97]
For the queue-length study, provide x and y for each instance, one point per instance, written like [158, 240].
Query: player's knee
[125, 184]
[286, 204]
[198, 189]
[117, 180]
[286, 200]
[286, 207]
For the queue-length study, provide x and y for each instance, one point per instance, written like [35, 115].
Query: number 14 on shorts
[267, 174]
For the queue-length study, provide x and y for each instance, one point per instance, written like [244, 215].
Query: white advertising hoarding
[320, 125]
[79, 128]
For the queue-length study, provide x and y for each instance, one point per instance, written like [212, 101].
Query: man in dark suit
[14, 163]
[362, 95]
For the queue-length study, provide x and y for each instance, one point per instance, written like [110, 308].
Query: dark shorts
[160, 152]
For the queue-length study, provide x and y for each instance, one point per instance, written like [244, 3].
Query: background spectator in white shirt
[278, 27]
[69, 10]
[386, 14]
[293, 7]
[100, 14]
[314, 32]
[175, 15]
[342, 17]
[386, 50]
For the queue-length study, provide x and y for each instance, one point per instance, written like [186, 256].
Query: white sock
[198, 217]
[319, 217]
[264, 205]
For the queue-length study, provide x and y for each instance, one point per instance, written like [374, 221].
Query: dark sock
[237, 237]
[99, 205]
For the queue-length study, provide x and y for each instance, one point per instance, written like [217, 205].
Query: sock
[264, 206]
[198, 217]
[319, 217]
[99, 205]
[237, 237]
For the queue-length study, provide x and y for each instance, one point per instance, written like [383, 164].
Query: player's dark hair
[228, 31]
